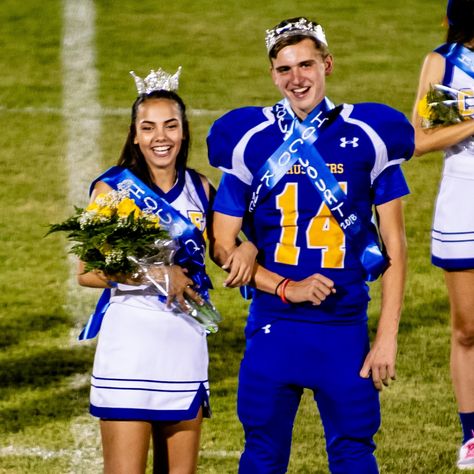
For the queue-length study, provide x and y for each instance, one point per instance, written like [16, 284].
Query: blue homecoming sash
[301, 142]
[191, 252]
[459, 56]
[285, 157]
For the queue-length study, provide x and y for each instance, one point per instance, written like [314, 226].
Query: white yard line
[80, 105]
[98, 112]
[220, 454]
[35, 452]
[82, 116]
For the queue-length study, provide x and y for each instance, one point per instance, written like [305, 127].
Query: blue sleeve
[390, 185]
[392, 126]
[399, 137]
[232, 196]
[226, 132]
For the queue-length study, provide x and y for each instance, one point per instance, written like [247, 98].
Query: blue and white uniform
[452, 238]
[150, 363]
[296, 346]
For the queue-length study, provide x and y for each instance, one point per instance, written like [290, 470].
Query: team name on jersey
[335, 168]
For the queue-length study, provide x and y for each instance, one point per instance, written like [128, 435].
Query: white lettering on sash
[151, 204]
[329, 196]
[320, 184]
[338, 209]
[164, 217]
[130, 186]
[292, 150]
[280, 115]
[284, 158]
[312, 172]
[253, 201]
[289, 154]
[318, 119]
[308, 132]
[304, 164]
[265, 178]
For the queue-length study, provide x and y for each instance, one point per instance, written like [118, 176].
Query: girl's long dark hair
[461, 21]
[132, 157]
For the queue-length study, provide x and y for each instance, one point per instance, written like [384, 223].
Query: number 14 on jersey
[323, 231]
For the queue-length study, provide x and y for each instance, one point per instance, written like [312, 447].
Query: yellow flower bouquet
[112, 232]
[444, 105]
[114, 235]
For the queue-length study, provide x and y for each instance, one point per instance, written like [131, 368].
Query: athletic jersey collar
[324, 105]
[287, 119]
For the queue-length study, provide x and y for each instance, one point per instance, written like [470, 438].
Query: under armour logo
[266, 328]
[353, 142]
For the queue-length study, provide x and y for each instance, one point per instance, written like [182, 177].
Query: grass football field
[65, 94]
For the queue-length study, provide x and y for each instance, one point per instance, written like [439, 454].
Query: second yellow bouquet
[445, 106]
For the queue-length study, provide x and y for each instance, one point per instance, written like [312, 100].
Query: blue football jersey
[292, 227]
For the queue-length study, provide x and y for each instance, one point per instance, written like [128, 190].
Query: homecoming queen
[150, 377]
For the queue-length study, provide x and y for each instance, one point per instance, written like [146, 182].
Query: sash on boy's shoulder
[299, 146]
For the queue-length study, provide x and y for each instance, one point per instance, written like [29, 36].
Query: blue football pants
[281, 360]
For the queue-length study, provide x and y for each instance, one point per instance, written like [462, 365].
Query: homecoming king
[303, 179]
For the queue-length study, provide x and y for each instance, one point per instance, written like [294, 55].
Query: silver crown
[300, 27]
[157, 80]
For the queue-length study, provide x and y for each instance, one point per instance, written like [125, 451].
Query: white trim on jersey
[381, 153]
[239, 168]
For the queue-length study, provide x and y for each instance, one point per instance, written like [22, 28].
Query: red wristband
[282, 290]
[278, 286]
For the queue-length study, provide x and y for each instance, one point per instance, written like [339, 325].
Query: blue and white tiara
[157, 80]
[300, 27]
